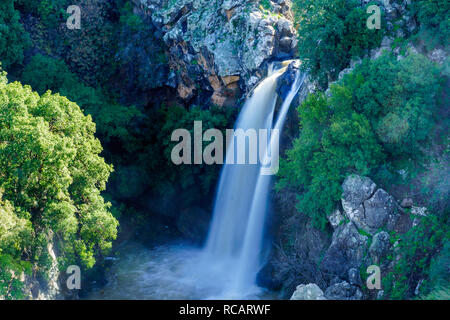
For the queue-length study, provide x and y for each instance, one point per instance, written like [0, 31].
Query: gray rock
[437, 55]
[379, 211]
[336, 218]
[380, 246]
[308, 292]
[347, 250]
[343, 291]
[407, 203]
[284, 82]
[419, 211]
[356, 189]
[354, 277]
[411, 25]
[172, 80]
[367, 210]
[225, 37]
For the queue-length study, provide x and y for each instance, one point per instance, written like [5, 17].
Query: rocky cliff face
[218, 49]
[361, 237]
[52, 286]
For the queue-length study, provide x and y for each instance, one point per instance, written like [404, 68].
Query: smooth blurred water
[241, 207]
[167, 272]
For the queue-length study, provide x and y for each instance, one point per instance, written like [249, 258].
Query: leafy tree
[13, 38]
[332, 144]
[376, 121]
[114, 121]
[52, 175]
[331, 32]
[433, 14]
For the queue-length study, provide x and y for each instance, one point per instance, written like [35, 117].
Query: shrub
[51, 174]
[331, 32]
[13, 38]
[416, 250]
[433, 15]
[375, 122]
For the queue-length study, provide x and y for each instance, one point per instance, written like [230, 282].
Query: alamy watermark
[248, 146]
[74, 21]
[374, 280]
[374, 20]
[74, 280]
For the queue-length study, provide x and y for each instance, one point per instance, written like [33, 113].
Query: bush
[113, 120]
[433, 15]
[416, 250]
[51, 175]
[375, 122]
[13, 38]
[331, 32]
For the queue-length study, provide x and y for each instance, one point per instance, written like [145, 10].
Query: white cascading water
[237, 230]
[227, 266]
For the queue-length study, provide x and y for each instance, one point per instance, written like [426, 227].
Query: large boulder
[380, 210]
[347, 250]
[209, 41]
[356, 190]
[368, 209]
[308, 292]
[354, 277]
[343, 291]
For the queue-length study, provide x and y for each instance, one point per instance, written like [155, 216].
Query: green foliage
[434, 15]
[375, 122]
[13, 38]
[193, 183]
[10, 286]
[113, 120]
[90, 51]
[416, 250]
[441, 293]
[331, 32]
[128, 18]
[52, 175]
[265, 4]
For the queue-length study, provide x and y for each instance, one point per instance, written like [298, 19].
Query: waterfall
[227, 266]
[235, 239]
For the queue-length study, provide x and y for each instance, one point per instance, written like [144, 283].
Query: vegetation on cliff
[109, 82]
[376, 121]
[51, 179]
[385, 118]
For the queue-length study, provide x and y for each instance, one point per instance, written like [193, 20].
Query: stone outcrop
[336, 218]
[50, 287]
[343, 291]
[347, 250]
[220, 47]
[380, 246]
[368, 209]
[361, 237]
[308, 292]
